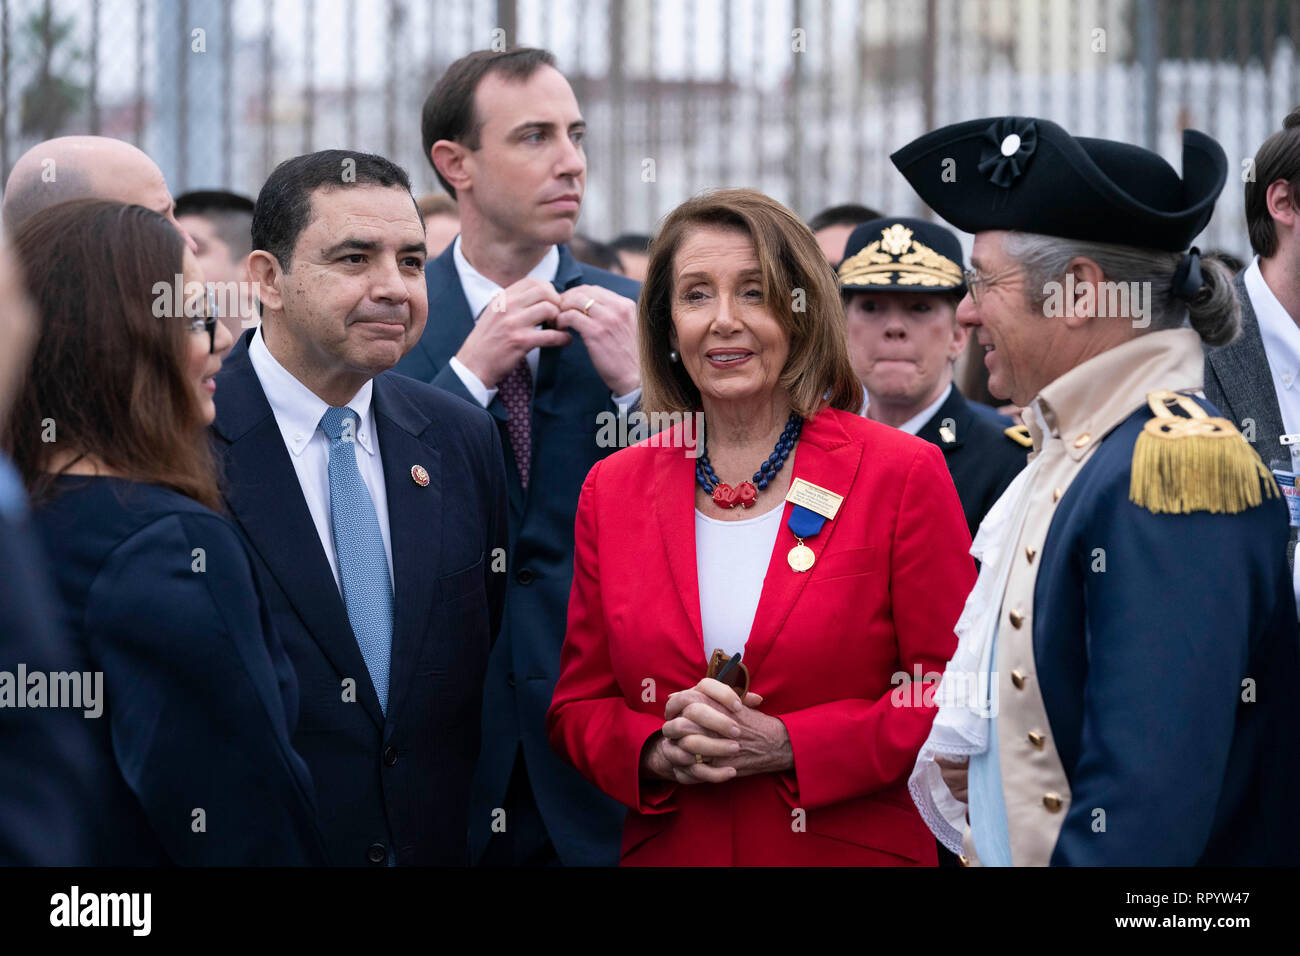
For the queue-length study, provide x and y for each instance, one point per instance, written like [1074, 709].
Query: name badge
[1290, 494]
[815, 498]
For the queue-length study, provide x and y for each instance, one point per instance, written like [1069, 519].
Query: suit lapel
[452, 323]
[446, 333]
[825, 456]
[675, 495]
[953, 409]
[415, 529]
[264, 496]
[1238, 367]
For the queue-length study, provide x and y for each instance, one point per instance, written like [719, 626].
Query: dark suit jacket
[1141, 668]
[981, 458]
[158, 594]
[1238, 381]
[45, 753]
[401, 780]
[568, 396]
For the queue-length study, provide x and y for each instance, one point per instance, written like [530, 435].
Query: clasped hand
[531, 314]
[733, 737]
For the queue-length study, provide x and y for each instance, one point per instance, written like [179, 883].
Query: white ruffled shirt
[967, 693]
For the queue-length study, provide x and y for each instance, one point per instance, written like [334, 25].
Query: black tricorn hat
[902, 255]
[1030, 175]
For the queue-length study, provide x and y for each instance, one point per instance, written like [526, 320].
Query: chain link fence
[803, 99]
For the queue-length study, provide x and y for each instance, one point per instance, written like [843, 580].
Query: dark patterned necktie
[517, 396]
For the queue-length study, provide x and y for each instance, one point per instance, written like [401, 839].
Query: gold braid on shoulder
[1197, 463]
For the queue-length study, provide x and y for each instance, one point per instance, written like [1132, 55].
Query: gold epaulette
[1197, 463]
[1020, 435]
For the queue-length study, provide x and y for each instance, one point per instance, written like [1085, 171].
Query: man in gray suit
[1255, 381]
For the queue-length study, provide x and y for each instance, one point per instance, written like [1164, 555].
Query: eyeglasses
[207, 322]
[977, 280]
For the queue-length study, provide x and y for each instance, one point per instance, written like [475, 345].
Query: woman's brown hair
[797, 281]
[108, 375]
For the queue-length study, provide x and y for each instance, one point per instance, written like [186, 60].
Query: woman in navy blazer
[189, 695]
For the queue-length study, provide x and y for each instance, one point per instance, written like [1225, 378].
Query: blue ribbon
[804, 523]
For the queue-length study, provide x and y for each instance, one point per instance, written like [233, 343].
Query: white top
[732, 558]
[298, 412]
[917, 421]
[1281, 338]
[479, 293]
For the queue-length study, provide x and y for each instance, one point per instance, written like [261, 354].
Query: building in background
[803, 99]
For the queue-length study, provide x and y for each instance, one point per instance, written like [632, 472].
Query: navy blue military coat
[1169, 677]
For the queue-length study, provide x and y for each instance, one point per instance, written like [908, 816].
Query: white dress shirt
[731, 559]
[1281, 338]
[298, 412]
[917, 421]
[479, 293]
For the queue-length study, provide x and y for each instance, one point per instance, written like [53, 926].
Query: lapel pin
[420, 476]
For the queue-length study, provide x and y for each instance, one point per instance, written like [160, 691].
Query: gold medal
[801, 557]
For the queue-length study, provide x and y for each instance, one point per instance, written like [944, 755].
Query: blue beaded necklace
[744, 494]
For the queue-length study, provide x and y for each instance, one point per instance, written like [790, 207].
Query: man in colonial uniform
[1123, 688]
[901, 280]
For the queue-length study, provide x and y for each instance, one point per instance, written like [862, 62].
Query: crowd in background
[353, 579]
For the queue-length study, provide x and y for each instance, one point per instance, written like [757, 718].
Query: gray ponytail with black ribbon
[1188, 280]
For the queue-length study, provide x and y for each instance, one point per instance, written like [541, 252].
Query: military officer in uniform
[901, 280]
[1123, 688]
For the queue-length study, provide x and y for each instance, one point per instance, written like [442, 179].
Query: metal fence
[803, 99]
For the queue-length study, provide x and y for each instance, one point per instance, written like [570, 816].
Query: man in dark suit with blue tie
[548, 346]
[374, 506]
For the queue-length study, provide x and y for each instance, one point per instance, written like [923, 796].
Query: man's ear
[452, 160]
[1280, 202]
[263, 269]
[1087, 284]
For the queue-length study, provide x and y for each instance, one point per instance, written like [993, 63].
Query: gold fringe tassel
[1175, 472]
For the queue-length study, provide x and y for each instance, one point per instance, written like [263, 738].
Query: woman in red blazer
[682, 558]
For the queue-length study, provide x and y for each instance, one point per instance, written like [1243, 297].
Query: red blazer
[892, 573]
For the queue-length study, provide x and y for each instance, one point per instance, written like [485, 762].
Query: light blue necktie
[359, 544]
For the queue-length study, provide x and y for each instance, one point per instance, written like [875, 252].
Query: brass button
[1052, 801]
[961, 858]
[1037, 739]
[1029, 555]
[1017, 617]
[1056, 494]
[1082, 440]
[1018, 680]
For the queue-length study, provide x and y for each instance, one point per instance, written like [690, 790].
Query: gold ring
[699, 758]
[587, 308]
